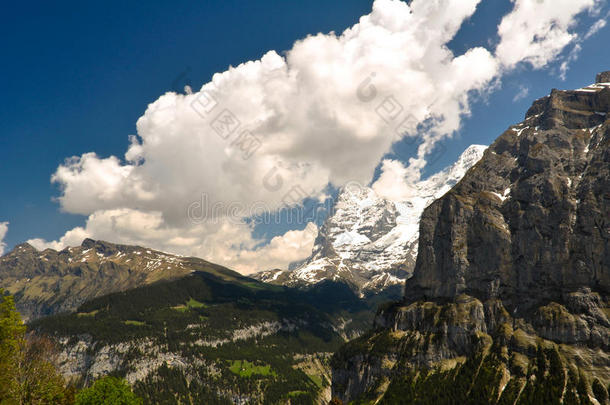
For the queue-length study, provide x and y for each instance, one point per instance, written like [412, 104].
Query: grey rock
[516, 253]
[531, 221]
[603, 77]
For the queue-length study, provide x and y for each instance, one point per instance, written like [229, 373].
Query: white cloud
[3, 232]
[222, 241]
[597, 26]
[325, 113]
[536, 31]
[394, 182]
[565, 64]
[575, 52]
[303, 109]
[521, 94]
[293, 246]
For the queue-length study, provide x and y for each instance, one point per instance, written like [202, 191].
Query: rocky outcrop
[516, 255]
[603, 77]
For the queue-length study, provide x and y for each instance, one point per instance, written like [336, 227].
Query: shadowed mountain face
[47, 282]
[212, 337]
[516, 255]
[206, 340]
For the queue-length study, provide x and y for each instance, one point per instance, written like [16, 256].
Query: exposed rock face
[516, 254]
[603, 77]
[48, 282]
[371, 242]
[531, 221]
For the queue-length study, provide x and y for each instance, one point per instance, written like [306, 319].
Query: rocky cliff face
[371, 242]
[48, 282]
[531, 221]
[515, 256]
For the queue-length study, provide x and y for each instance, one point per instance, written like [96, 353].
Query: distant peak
[88, 243]
[355, 191]
[468, 158]
[24, 247]
[473, 150]
[103, 247]
[603, 77]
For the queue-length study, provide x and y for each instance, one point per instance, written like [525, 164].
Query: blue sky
[76, 76]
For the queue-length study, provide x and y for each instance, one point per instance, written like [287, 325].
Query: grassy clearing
[254, 285]
[190, 304]
[92, 313]
[244, 368]
[134, 323]
[293, 394]
[316, 379]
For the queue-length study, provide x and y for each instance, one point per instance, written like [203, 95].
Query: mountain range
[489, 284]
[182, 325]
[48, 282]
[368, 243]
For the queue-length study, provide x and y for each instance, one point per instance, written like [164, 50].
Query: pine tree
[27, 372]
[12, 339]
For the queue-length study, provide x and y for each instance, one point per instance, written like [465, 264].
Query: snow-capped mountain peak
[369, 241]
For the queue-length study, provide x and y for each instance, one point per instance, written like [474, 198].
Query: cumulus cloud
[3, 232]
[536, 31]
[302, 112]
[394, 183]
[224, 240]
[290, 247]
[269, 133]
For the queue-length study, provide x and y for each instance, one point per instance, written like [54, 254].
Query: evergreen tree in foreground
[27, 372]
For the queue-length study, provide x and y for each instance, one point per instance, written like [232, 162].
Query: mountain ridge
[49, 281]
